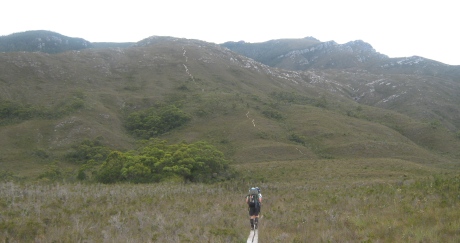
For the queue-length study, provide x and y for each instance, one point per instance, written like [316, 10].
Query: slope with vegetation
[188, 90]
[341, 154]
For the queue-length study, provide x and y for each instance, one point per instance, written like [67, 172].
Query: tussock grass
[371, 213]
[120, 213]
[378, 200]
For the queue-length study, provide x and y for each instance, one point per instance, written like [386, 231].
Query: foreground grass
[347, 202]
[120, 213]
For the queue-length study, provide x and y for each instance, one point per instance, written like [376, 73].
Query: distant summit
[49, 42]
[300, 54]
[267, 52]
[311, 54]
[308, 52]
[41, 41]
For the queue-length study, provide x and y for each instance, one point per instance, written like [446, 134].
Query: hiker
[254, 201]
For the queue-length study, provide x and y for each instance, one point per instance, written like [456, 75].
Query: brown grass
[379, 200]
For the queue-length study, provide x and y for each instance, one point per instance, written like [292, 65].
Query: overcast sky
[397, 28]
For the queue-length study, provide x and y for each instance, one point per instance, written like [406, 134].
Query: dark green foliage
[8, 176]
[110, 171]
[153, 122]
[263, 135]
[89, 154]
[435, 124]
[298, 138]
[81, 175]
[53, 172]
[13, 112]
[272, 114]
[89, 150]
[356, 113]
[39, 153]
[157, 161]
[321, 102]
[73, 105]
[10, 111]
[183, 87]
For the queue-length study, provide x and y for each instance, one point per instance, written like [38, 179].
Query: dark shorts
[253, 211]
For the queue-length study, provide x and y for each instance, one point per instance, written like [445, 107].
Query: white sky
[397, 28]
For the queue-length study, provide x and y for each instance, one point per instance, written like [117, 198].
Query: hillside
[250, 111]
[308, 54]
[49, 42]
[423, 89]
[41, 40]
[269, 52]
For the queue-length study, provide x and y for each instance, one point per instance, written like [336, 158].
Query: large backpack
[253, 198]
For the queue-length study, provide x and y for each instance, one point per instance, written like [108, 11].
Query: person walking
[254, 201]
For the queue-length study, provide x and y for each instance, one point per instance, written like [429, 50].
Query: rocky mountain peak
[41, 41]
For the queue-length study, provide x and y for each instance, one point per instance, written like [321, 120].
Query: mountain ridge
[32, 42]
[49, 42]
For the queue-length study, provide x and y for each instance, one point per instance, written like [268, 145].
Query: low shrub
[155, 121]
[156, 161]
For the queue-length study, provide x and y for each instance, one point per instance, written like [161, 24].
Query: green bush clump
[14, 112]
[88, 150]
[8, 176]
[154, 122]
[157, 161]
[298, 138]
[272, 114]
[52, 173]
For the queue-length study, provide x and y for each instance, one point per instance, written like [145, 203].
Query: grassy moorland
[368, 200]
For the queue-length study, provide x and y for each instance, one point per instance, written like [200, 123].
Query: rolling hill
[423, 89]
[253, 112]
[49, 42]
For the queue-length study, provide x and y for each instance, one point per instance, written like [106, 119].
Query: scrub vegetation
[309, 201]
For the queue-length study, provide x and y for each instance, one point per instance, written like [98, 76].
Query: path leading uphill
[185, 66]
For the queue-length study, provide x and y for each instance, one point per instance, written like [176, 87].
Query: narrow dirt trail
[185, 66]
[253, 236]
[253, 123]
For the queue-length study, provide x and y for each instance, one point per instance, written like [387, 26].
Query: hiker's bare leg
[252, 220]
